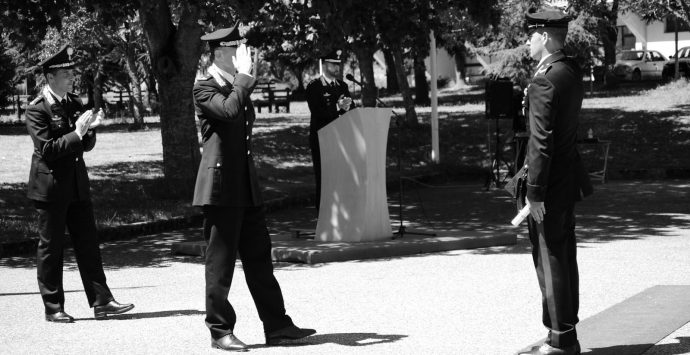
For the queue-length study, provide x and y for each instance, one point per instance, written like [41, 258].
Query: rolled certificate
[524, 212]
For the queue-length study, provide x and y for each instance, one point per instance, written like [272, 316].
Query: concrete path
[481, 301]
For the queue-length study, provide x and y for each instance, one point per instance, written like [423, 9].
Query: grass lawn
[649, 129]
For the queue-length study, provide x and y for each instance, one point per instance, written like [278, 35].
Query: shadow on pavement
[161, 314]
[636, 349]
[344, 339]
[69, 291]
[618, 210]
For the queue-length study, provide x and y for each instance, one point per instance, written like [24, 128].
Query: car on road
[639, 65]
[669, 71]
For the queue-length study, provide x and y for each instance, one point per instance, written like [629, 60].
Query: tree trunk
[609, 36]
[421, 88]
[408, 103]
[391, 79]
[365, 56]
[98, 88]
[136, 101]
[175, 54]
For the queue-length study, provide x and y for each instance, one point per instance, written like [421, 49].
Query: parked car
[639, 65]
[669, 71]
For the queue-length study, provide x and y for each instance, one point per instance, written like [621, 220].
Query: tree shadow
[148, 315]
[343, 339]
[644, 144]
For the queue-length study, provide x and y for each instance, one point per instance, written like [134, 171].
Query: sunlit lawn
[649, 131]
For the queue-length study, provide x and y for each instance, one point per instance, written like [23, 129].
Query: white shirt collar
[543, 59]
[63, 97]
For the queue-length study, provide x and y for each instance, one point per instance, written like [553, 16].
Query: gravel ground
[483, 301]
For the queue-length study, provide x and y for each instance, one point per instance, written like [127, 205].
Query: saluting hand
[242, 60]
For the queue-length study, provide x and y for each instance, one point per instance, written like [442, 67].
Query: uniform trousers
[554, 253]
[78, 217]
[229, 230]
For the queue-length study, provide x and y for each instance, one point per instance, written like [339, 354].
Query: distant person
[228, 191]
[556, 178]
[328, 97]
[62, 130]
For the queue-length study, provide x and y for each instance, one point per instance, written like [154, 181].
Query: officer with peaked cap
[556, 177]
[228, 192]
[328, 97]
[62, 130]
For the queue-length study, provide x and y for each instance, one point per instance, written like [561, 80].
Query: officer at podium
[228, 192]
[556, 178]
[328, 97]
[62, 130]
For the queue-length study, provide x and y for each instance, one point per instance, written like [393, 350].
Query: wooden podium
[354, 204]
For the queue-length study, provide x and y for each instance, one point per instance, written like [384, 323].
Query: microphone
[352, 79]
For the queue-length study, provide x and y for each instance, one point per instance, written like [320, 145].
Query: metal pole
[676, 69]
[435, 154]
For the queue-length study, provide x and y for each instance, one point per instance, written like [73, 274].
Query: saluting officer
[328, 97]
[228, 191]
[62, 130]
[556, 178]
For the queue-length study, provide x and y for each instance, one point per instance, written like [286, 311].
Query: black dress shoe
[229, 342]
[59, 317]
[547, 349]
[112, 307]
[287, 334]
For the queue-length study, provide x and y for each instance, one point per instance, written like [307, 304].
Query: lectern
[354, 204]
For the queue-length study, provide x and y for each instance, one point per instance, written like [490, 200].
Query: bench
[271, 97]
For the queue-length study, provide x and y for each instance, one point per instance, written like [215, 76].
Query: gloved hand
[96, 119]
[242, 60]
[83, 123]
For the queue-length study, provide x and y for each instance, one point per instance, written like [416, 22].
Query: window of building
[670, 24]
[627, 38]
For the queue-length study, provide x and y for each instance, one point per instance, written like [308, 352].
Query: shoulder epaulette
[314, 81]
[205, 77]
[38, 99]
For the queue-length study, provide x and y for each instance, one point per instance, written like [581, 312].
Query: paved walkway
[634, 235]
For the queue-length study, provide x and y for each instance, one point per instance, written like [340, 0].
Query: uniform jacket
[322, 99]
[226, 176]
[556, 174]
[57, 165]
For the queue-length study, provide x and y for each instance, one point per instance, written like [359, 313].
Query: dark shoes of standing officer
[59, 317]
[287, 334]
[228, 342]
[547, 349]
[112, 307]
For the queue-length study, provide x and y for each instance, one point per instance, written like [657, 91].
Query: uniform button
[249, 152]
[246, 123]
[247, 137]
[76, 159]
[217, 164]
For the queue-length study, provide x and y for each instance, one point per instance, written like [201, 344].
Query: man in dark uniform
[556, 178]
[328, 97]
[228, 191]
[61, 130]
